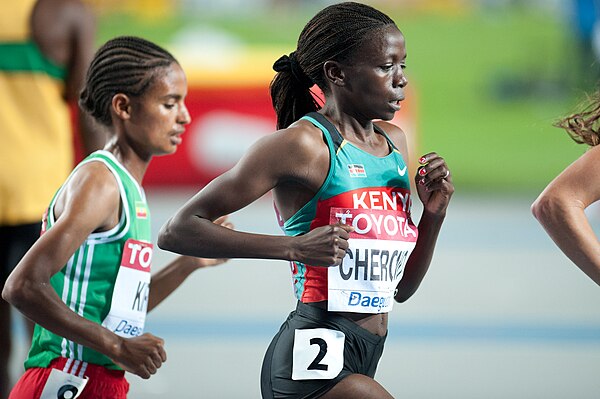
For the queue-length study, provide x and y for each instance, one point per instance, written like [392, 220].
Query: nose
[399, 77]
[403, 81]
[184, 115]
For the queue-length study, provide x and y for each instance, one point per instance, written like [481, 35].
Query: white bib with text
[379, 247]
[127, 313]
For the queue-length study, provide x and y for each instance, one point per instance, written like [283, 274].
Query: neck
[131, 160]
[349, 125]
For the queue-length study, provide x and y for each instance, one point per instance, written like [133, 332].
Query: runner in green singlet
[86, 282]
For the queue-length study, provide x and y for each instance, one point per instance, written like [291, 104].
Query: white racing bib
[318, 354]
[130, 296]
[61, 385]
[379, 246]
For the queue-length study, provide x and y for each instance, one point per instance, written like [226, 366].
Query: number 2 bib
[130, 296]
[379, 247]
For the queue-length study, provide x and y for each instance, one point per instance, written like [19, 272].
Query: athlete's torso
[36, 154]
[107, 278]
[372, 194]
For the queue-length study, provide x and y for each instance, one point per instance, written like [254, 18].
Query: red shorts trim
[103, 383]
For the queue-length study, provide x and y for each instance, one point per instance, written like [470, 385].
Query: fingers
[214, 262]
[143, 373]
[345, 231]
[220, 220]
[341, 234]
[341, 254]
[340, 243]
[324, 246]
[146, 354]
[433, 172]
[161, 351]
[148, 371]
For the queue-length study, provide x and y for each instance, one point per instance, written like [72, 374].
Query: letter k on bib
[130, 296]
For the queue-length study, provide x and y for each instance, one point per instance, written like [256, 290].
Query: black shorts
[325, 347]
[15, 241]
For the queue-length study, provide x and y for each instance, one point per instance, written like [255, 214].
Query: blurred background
[502, 313]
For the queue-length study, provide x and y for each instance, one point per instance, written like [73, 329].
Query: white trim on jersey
[72, 285]
[86, 279]
[110, 155]
[65, 294]
[124, 219]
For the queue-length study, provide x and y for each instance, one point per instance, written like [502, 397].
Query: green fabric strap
[26, 57]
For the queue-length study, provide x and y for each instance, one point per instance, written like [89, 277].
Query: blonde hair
[584, 126]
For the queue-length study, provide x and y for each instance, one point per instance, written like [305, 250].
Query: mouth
[396, 103]
[176, 138]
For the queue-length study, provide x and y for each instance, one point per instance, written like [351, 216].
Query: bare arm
[169, 278]
[90, 202]
[65, 32]
[560, 210]
[273, 160]
[434, 191]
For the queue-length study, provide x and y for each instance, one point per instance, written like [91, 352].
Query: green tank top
[107, 279]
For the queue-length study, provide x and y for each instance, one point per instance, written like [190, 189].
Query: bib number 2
[318, 354]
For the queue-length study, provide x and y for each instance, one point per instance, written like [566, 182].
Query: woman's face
[374, 75]
[159, 116]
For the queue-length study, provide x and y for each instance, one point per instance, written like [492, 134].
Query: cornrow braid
[332, 34]
[125, 64]
[584, 126]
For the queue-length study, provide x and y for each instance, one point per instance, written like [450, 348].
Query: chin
[388, 116]
[166, 151]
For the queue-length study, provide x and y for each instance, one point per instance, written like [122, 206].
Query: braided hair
[332, 34]
[584, 126]
[125, 64]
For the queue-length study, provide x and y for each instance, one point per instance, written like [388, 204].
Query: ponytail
[290, 91]
[332, 34]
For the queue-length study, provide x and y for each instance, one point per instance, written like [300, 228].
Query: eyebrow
[172, 96]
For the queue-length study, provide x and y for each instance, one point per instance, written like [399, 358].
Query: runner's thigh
[357, 386]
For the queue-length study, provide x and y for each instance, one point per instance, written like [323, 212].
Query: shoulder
[93, 181]
[302, 139]
[304, 134]
[393, 131]
[395, 134]
[288, 154]
[93, 191]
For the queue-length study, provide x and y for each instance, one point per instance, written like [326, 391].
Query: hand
[141, 355]
[434, 183]
[323, 246]
[224, 222]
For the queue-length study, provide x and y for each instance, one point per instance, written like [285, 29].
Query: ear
[121, 106]
[334, 73]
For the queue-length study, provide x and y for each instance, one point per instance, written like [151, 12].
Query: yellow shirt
[36, 153]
